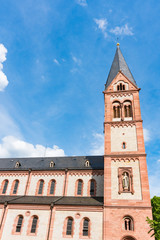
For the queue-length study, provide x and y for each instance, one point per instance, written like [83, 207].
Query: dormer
[87, 163]
[17, 165]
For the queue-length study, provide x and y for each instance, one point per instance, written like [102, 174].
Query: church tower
[126, 188]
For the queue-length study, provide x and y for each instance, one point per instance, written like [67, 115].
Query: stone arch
[128, 238]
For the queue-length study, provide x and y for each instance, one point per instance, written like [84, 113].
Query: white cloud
[76, 60]
[83, 3]
[124, 30]
[98, 144]
[3, 52]
[11, 146]
[147, 136]
[3, 79]
[56, 61]
[102, 25]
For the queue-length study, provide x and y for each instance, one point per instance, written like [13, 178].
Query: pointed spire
[119, 64]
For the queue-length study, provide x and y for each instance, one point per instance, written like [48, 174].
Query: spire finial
[118, 42]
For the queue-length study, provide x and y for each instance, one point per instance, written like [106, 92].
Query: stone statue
[125, 181]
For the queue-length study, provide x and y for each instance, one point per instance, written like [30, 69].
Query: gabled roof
[119, 64]
[60, 163]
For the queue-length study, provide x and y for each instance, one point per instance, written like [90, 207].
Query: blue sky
[54, 60]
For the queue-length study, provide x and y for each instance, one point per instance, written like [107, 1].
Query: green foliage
[155, 223]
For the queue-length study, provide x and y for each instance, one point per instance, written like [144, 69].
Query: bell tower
[126, 187]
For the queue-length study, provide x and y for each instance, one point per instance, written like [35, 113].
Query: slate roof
[119, 64]
[61, 163]
[40, 200]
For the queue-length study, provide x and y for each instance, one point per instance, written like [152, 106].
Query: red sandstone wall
[114, 223]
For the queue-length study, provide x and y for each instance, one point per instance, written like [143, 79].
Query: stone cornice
[129, 206]
[126, 155]
[117, 123]
[121, 92]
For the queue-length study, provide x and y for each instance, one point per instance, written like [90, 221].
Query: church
[84, 197]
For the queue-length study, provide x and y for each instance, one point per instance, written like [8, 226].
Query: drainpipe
[52, 204]
[29, 173]
[51, 208]
[103, 222]
[4, 211]
[64, 190]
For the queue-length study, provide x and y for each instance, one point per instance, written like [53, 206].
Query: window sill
[84, 237]
[116, 119]
[128, 119]
[16, 233]
[68, 236]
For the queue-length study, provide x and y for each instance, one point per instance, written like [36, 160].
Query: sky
[54, 60]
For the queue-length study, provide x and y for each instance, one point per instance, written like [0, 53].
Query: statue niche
[125, 179]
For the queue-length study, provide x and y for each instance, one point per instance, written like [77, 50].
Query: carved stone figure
[125, 181]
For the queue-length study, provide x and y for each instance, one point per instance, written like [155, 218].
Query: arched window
[121, 87]
[15, 186]
[128, 223]
[40, 189]
[19, 224]
[127, 109]
[4, 186]
[85, 230]
[52, 187]
[124, 145]
[92, 187]
[79, 187]
[34, 224]
[69, 228]
[116, 110]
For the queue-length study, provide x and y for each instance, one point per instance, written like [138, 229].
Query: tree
[155, 223]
